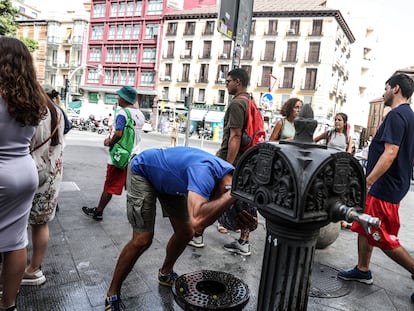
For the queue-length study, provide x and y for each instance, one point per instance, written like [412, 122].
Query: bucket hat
[128, 93]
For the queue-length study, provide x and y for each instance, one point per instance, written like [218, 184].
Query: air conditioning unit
[167, 78]
[187, 52]
[222, 80]
[291, 31]
[224, 55]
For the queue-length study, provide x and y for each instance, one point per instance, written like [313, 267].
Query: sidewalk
[82, 254]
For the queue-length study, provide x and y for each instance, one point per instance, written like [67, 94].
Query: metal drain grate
[325, 284]
[210, 290]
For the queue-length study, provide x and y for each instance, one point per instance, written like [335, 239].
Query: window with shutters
[314, 49]
[317, 27]
[291, 51]
[269, 52]
[310, 79]
[288, 78]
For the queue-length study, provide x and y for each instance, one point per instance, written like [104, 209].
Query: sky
[393, 24]
[57, 5]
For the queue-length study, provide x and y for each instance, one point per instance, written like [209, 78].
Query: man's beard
[389, 100]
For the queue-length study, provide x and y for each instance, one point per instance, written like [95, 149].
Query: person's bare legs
[183, 233]
[129, 255]
[401, 256]
[14, 264]
[244, 234]
[364, 253]
[104, 200]
[40, 240]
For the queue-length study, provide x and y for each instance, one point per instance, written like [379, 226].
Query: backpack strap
[128, 113]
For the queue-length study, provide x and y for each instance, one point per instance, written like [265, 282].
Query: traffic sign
[266, 101]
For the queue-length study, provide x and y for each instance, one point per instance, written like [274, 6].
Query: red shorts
[115, 180]
[386, 236]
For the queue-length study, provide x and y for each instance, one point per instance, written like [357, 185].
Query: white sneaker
[196, 241]
[236, 247]
[35, 278]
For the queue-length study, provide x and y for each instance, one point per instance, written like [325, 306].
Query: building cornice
[207, 13]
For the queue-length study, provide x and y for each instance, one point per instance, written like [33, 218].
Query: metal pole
[99, 67]
[188, 102]
[235, 61]
[67, 88]
[202, 133]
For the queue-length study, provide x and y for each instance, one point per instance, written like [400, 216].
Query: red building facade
[122, 50]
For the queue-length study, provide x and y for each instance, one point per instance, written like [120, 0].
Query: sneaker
[34, 278]
[196, 241]
[167, 279]
[356, 275]
[239, 248]
[114, 303]
[92, 212]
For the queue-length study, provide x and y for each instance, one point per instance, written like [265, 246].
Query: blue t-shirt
[397, 129]
[180, 169]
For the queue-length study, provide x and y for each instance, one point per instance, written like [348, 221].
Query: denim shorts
[141, 204]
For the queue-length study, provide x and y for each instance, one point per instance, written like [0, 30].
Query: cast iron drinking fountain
[298, 187]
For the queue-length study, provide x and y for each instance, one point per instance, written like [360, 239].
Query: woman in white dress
[47, 151]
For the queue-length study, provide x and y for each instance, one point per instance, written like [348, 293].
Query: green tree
[30, 43]
[8, 15]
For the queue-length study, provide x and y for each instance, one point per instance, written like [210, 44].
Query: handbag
[229, 217]
[121, 151]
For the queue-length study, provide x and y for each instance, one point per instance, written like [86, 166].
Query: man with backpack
[116, 175]
[235, 122]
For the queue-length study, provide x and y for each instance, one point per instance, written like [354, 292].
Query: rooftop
[277, 8]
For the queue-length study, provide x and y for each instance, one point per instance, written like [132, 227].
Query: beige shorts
[141, 204]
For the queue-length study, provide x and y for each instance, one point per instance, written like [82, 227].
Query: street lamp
[67, 82]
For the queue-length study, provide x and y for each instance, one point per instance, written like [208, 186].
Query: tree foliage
[8, 15]
[31, 44]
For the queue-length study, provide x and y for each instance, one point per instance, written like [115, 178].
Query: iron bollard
[298, 187]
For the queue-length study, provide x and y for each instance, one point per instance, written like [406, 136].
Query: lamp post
[67, 82]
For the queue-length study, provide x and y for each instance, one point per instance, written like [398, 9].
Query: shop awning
[214, 116]
[75, 104]
[197, 114]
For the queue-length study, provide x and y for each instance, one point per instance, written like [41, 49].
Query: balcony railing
[183, 80]
[204, 81]
[290, 60]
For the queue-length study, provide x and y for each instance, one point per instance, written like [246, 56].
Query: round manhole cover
[325, 284]
[210, 290]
